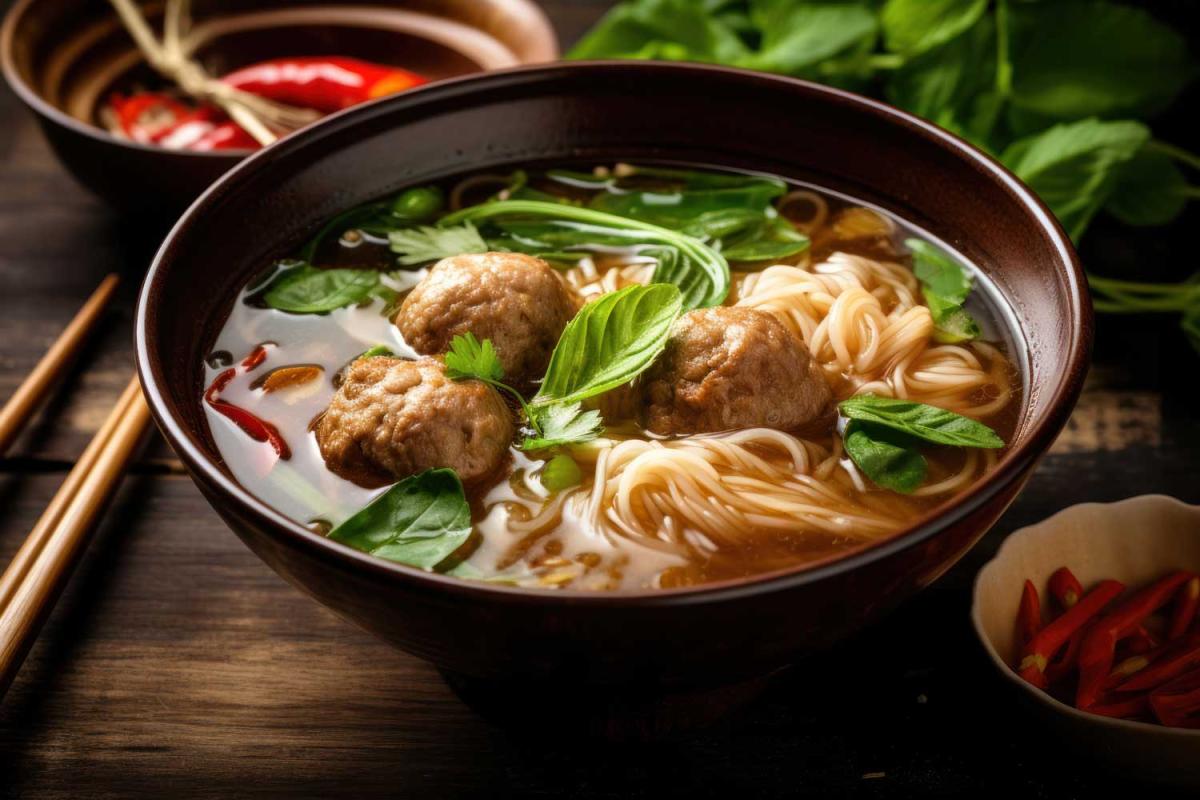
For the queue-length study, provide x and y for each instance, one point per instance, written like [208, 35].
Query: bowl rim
[1045, 699]
[42, 107]
[1015, 462]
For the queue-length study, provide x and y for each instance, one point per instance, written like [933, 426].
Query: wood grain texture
[178, 665]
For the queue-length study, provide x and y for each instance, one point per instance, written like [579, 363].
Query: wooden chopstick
[20, 407]
[52, 550]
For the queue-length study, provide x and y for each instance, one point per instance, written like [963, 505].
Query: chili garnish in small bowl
[1092, 616]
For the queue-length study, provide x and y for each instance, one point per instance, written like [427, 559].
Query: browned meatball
[392, 418]
[729, 368]
[515, 300]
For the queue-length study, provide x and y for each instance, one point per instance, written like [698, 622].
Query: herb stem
[886, 61]
[1003, 62]
[1176, 152]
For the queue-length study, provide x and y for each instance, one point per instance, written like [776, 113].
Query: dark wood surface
[177, 664]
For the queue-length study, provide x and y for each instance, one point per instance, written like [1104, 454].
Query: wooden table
[177, 664]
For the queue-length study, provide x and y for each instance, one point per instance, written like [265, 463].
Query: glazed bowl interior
[720, 634]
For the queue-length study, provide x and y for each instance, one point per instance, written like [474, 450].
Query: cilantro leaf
[426, 243]
[470, 358]
[563, 424]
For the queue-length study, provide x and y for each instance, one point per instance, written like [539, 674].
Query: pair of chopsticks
[37, 574]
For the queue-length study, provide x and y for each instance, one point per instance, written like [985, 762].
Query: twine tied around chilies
[265, 120]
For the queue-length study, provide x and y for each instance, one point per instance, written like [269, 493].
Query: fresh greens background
[1067, 93]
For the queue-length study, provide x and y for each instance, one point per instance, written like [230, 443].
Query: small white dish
[1134, 541]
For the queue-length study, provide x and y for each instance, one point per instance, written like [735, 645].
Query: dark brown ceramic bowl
[64, 57]
[672, 640]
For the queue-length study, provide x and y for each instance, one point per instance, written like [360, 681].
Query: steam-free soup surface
[825, 280]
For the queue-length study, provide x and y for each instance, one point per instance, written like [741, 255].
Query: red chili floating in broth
[324, 83]
[252, 425]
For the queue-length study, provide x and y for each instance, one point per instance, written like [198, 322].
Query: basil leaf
[426, 243]
[1081, 58]
[1149, 190]
[952, 85]
[952, 323]
[925, 422]
[885, 456]
[420, 521]
[699, 272]
[304, 289]
[1074, 167]
[797, 36]
[609, 342]
[914, 26]
[945, 285]
[938, 272]
[564, 423]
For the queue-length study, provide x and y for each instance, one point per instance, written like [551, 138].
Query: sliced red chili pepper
[256, 428]
[1184, 612]
[1099, 646]
[1029, 614]
[1065, 663]
[1178, 703]
[1180, 657]
[323, 83]
[1065, 587]
[1142, 641]
[1051, 638]
[1124, 708]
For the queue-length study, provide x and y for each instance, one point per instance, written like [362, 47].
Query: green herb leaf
[952, 323]
[798, 36]
[885, 456]
[304, 289]
[1074, 167]
[565, 423]
[420, 521]
[470, 358]
[914, 26]
[561, 472]
[924, 422]
[1149, 190]
[1081, 58]
[376, 351]
[699, 272]
[940, 274]
[426, 243]
[609, 342]
[679, 30]
[952, 84]
[945, 286]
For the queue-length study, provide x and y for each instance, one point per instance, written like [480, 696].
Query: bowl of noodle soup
[837, 338]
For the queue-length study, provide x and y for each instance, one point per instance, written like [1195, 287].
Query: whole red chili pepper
[324, 83]
[1184, 612]
[147, 116]
[1029, 614]
[1049, 639]
[1099, 646]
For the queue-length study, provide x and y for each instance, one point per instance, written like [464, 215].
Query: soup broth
[644, 509]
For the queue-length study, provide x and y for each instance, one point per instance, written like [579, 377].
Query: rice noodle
[698, 496]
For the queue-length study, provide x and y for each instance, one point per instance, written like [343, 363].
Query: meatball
[393, 418]
[515, 300]
[728, 368]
